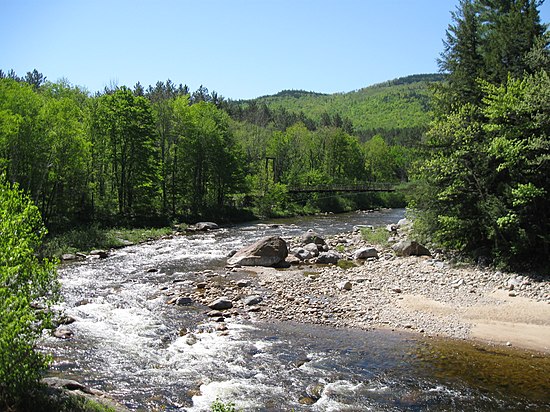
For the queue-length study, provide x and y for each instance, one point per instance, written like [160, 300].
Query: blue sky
[239, 48]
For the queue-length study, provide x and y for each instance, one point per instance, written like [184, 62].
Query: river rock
[403, 223]
[410, 248]
[252, 300]
[102, 254]
[207, 226]
[183, 301]
[313, 249]
[63, 333]
[269, 251]
[293, 260]
[215, 314]
[202, 227]
[345, 285]
[68, 257]
[243, 283]
[328, 257]
[221, 304]
[365, 253]
[311, 237]
[302, 253]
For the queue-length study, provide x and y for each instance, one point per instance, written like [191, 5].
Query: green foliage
[127, 157]
[376, 236]
[274, 201]
[47, 399]
[484, 181]
[398, 109]
[219, 406]
[26, 283]
[92, 237]
[125, 135]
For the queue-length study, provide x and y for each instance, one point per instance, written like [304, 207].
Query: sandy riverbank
[420, 294]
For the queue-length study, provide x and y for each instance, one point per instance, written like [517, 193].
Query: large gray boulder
[269, 251]
[410, 248]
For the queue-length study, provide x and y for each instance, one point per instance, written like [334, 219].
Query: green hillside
[391, 108]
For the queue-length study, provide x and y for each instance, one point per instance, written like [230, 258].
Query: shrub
[28, 287]
[377, 236]
[219, 406]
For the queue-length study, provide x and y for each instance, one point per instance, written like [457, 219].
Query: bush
[219, 406]
[376, 236]
[28, 287]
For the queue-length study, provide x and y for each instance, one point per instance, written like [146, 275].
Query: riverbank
[417, 293]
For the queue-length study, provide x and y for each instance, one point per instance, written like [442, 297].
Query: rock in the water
[202, 227]
[183, 301]
[206, 226]
[68, 384]
[410, 248]
[328, 257]
[252, 300]
[269, 251]
[68, 256]
[102, 254]
[365, 253]
[221, 304]
[215, 314]
[62, 333]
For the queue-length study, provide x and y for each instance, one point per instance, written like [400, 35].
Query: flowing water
[152, 356]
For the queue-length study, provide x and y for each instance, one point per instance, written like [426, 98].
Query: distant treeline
[161, 153]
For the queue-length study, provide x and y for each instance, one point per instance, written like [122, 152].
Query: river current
[151, 356]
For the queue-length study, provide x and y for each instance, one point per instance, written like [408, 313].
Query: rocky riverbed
[417, 293]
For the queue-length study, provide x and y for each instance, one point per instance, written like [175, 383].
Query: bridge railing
[365, 187]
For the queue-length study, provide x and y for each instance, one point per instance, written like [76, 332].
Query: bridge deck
[369, 187]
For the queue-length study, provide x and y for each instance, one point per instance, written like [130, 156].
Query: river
[152, 356]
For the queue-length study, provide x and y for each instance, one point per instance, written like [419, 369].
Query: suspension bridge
[361, 188]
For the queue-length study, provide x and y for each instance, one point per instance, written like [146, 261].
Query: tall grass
[89, 238]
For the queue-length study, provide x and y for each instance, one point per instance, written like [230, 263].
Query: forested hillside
[397, 109]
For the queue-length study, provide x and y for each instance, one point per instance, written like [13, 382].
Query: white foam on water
[246, 394]
[333, 392]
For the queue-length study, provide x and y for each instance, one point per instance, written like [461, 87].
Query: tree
[125, 122]
[483, 185]
[28, 287]
[462, 57]
[207, 160]
[380, 160]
